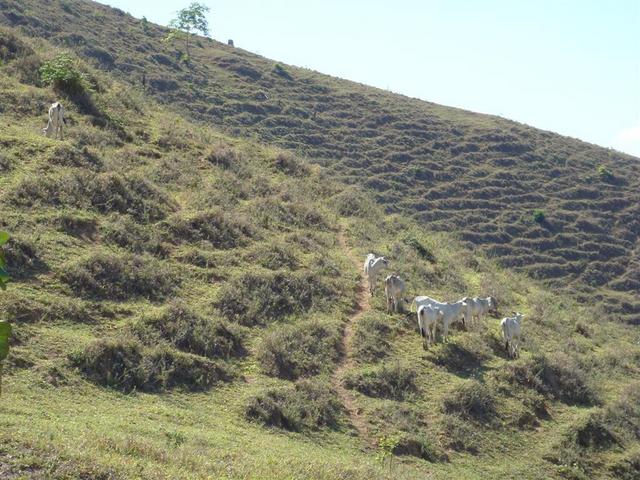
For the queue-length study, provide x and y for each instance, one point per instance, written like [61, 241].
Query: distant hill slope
[187, 305]
[480, 176]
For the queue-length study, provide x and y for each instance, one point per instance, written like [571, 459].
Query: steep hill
[188, 304]
[480, 176]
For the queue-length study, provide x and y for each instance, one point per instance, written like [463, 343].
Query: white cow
[372, 267]
[511, 332]
[56, 121]
[428, 318]
[451, 312]
[393, 290]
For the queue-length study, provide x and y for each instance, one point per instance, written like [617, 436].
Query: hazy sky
[571, 66]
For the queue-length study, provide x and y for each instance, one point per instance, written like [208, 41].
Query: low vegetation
[393, 381]
[307, 405]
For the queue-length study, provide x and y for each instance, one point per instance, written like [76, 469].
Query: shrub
[272, 296]
[592, 432]
[12, 47]
[369, 340]
[303, 349]
[539, 216]
[604, 173]
[108, 276]
[275, 256]
[624, 413]
[22, 257]
[280, 70]
[422, 251]
[288, 164]
[470, 400]
[309, 405]
[420, 446]
[133, 195]
[394, 381]
[62, 73]
[190, 332]
[286, 214]
[124, 231]
[124, 364]
[353, 202]
[627, 467]
[460, 435]
[557, 377]
[465, 352]
[212, 226]
[23, 309]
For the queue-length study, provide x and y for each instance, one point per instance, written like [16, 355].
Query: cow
[372, 267]
[56, 121]
[393, 290]
[428, 318]
[451, 312]
[477, 307]
[511, 332]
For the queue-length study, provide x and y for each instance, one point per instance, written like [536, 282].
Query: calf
[393, 290]
[56, 121]
[511, 332]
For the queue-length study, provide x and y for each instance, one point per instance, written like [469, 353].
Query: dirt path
[347, 362]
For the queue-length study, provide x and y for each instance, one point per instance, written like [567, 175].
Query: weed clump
[106, 276]
[394, 381]
[275, 256]
[303, 349]
[460, 435]
[273, 296]
[213, 227]
[191, 333]
[124, 364]
[22, 257]
[557, 377]
[125, 232]
[471, 400]
[288, 164]
[309, 405]
[419, 446]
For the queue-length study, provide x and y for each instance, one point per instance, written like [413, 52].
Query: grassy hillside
[181, 303]
[480, 176]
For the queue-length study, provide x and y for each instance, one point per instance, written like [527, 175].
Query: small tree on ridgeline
[190, 20]
[5, 327]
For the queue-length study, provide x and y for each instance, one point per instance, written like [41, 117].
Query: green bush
[190, 332]
[466, 352]
[470, 400]
[539, 216]
[124, 364]
[63, 74]
[394, 381]
[213, 227]
[275, 256]
[309, 405]
[107, 276]
[306, 348]
[273, 296]
[557, 377]
[592, 432]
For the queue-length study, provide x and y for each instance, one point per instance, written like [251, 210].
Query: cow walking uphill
[56, 121]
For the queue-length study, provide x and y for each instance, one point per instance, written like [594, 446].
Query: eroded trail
[347, 362]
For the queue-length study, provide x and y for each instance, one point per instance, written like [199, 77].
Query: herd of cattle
[433, 314]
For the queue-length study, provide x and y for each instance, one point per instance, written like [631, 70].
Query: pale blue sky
[571, 66]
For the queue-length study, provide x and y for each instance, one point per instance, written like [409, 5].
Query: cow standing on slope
[511, 332]
[372, 267]
[56, 121]
[393, 290]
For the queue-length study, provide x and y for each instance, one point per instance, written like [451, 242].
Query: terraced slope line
[346, 362]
